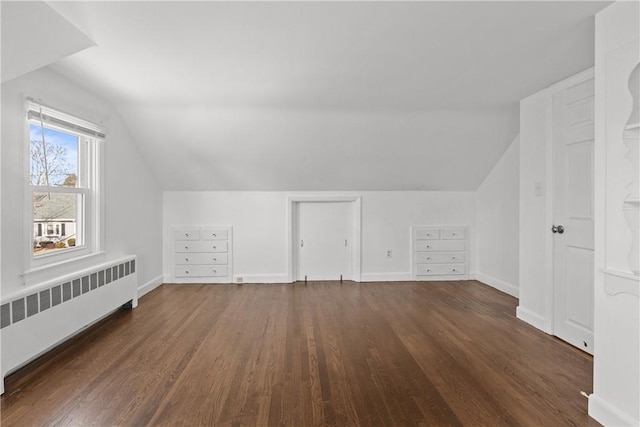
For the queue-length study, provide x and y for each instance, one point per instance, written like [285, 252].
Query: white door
[573, 174]
[323, 240]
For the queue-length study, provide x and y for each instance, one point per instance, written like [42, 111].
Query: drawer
[453, 233]
[439, 245]
[200, 271]
[186, 234]
[201, 246]
[213, 234]
[200, 258]
[440, 257]
[439, 269]
[427, 234]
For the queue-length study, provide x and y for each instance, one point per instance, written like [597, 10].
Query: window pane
[54, 161]
[55, 222]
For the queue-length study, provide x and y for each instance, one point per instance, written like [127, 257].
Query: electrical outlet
[389, 253]
[239, 279]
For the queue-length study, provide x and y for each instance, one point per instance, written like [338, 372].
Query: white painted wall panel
[616, 364]
[259, 221]
[497, 205]
[533, 245]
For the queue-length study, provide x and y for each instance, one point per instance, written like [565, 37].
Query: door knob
[557, 229]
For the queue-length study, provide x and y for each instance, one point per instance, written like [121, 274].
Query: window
[64, 185]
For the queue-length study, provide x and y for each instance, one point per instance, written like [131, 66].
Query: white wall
[534, 247]
[259, 227]
[616, 364]
[497, 223]
[132, 197]
[1, 382]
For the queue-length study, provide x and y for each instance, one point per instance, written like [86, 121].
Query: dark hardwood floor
[322, 353]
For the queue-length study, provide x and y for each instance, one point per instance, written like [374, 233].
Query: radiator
[38, 319]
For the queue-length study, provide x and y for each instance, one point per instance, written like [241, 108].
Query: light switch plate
[538, 188]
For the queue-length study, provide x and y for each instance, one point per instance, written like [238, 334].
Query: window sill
[55, 270]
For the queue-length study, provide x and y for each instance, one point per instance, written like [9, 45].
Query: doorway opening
[324, 234]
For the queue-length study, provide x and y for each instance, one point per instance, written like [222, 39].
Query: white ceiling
[25, 51]
[325, 95]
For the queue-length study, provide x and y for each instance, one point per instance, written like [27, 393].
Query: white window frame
[91, 186]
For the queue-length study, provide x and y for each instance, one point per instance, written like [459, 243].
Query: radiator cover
[47, 315]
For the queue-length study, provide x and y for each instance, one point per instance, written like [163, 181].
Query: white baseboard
[261, 278]
[150, 285]
[364, 277]
[407, 277]
[532, 318]
[498, 284]
[607, 414]
[385, 277]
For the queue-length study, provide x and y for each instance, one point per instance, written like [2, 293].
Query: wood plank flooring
[322, 353]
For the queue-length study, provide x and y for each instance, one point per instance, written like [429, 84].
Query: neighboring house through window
[64, 185]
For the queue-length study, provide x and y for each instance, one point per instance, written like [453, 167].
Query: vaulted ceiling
[325, 95]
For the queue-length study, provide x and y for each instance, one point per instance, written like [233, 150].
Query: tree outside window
[54, 163]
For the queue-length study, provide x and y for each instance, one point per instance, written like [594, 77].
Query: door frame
[356, 229]
[549, 188]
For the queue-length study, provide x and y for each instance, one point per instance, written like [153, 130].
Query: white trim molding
[534, 319]
[90, 213]
[498, 284]
[607, 414]
[386, 277]
[150, 285]
[260, 278]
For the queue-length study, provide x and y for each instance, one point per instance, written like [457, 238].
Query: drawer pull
[213, 234]
[186, 272]
[428, 258]
[453, 269]
[186, 248]
[186, 259]
[186, 234]
[453, 234]
[428, 246]
[453, 257]
[214, 247]
[214, 260]
[428, 234]
[214, 272]
[428, 271]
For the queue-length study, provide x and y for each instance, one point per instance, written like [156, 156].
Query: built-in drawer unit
[453, 234]
[439, 269]
[439, 245]
[428, 234]
[186, 234]
[201, 258]
[201, 271]
[440, 257]
[213, 234]
[439, 251]
[201, 254]
[201, 246]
